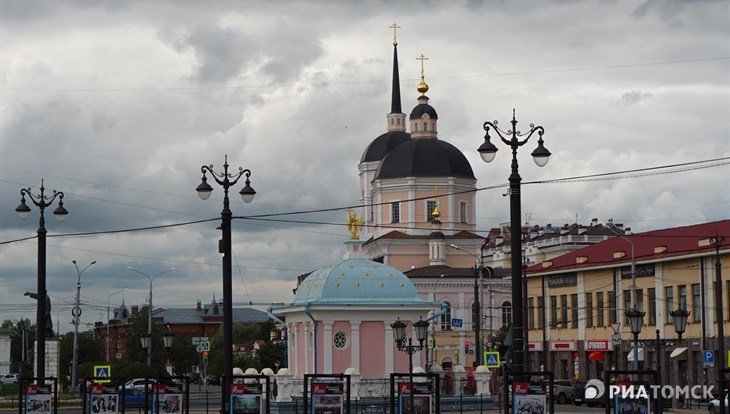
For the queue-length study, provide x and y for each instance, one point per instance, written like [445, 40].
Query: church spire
[396, 118]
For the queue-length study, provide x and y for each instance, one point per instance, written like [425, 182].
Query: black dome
[379, 148]
[425, 157]
[423, 108]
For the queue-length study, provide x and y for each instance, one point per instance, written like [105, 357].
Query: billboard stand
[326, 394]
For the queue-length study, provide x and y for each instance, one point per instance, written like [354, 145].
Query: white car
[138, 383]
[9, 379]
[714, 406]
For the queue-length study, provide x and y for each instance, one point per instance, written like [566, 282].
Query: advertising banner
[170, 399]
[327, 397]
[103, 399]
[246, 399]
[38, 399]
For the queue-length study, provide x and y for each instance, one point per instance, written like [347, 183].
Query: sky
[118, 104]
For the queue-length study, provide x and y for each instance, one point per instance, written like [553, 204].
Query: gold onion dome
[422, 87]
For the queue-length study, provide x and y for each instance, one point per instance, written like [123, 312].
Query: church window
[446, 318]
[430, 207]
[425, 126]
[462, 212]
[415, 127]
[506, 313]
[395, 212]
[340, 340]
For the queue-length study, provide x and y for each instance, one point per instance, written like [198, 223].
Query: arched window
[446, 318]
[506, 313]
[415, 126]
[425, 126]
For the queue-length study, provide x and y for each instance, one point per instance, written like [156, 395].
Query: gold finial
[436, 213]
[422, 87]
[354, 223]
[394, 26]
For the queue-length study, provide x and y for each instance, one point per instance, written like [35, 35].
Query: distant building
[201, 320]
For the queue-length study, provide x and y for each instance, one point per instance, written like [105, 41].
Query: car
[211, 379]
[562, 390]
[138, 383]
[9, 379]
[134, 398]
[714, 406]
[193, 377]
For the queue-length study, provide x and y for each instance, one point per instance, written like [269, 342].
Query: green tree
[21, 327]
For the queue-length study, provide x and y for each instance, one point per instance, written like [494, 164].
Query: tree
[21, 327]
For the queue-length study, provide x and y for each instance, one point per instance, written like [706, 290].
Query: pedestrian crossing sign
[102, 371]
[491, 359]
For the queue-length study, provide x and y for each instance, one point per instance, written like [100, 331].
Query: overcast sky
[119, 103]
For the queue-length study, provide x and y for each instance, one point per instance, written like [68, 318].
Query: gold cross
[395, 27]
[422, 58]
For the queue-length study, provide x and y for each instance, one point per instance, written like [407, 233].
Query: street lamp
[635, 318]
[146, 340]
[76, 313]
[226, 180]
[149, 316]
[541, 156]
[421, 328]
[41, 201]
[478, 295]
[680, 323]
[108, 299]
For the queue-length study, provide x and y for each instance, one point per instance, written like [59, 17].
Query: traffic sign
[708, 357]
[616, 339]
[205, 345]
[457, 323]
[102, 371]
[199, 348]
[430, 342]
[491, 359]
[118, 355]
[616, 327]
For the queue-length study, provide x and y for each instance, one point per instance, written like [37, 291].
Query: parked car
[134, 398]
[9, 379]
[138, 383]
[211, 379]
[194, 377]
[562, 390]
[714, 406]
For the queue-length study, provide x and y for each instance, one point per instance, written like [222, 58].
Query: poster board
[422, 398]
[170, 399]
[327, 398]
[631, 405]
[523, 402]
[38, 399]
[246, 399]
[103, 399]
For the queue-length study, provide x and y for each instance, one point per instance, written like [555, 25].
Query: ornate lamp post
[146, 340]
[636, 319]
[399, 328]
[226, 180]
[76, 313]
[41, 201]
[515, 139]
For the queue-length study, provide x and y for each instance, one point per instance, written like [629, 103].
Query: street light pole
[226, 180]
[421, 328]
[41, 201]
[541, 156]
[149, 313]
[76, 313]
[108, 299]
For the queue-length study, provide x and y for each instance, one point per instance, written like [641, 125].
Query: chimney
[594, 222]
[198, 306]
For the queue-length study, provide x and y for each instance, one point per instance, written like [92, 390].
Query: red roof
[649, 246]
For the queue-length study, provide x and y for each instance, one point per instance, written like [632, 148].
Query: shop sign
[563, 279]
[599, 346]
[562, 346]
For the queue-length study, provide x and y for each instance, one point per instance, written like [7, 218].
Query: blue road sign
[491, 359]
[457, 323]
[708, 355]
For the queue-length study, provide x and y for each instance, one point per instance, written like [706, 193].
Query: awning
[596, 356]
[679, 353]
[630, 356]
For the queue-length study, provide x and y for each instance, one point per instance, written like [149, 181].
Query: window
[541, 312]
[531, 313]
[395, 212]
[574, 303]
[640, 299]
[553, 310]
[446, 318]
[564, 310]
[669, 303]
[415, 127]
[506, 313]
[589, 310]
[340, 340]
[696, 302]
[425, 126]
[600, 309]
[652, 306]
[612, 307]
[430, 207]
[462, 212]
[682, 293]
